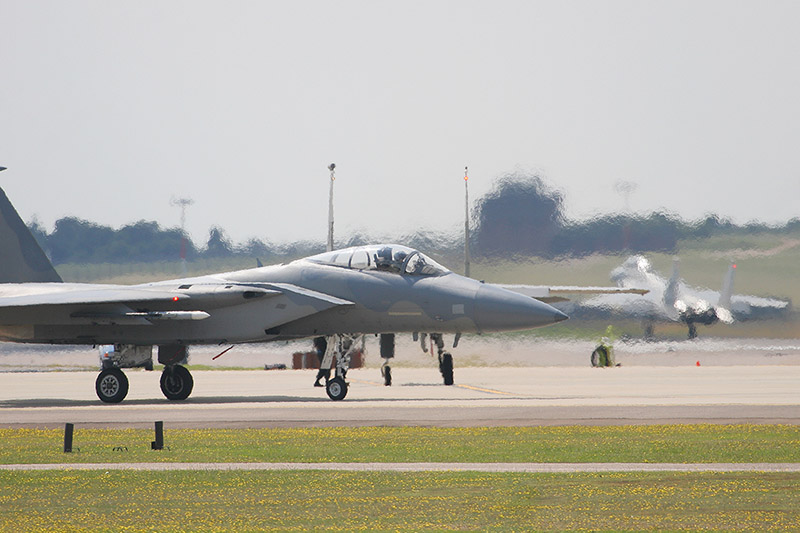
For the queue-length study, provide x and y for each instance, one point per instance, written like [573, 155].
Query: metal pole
[158, 444]
[331, 167]
[466, 221]
[68, 429]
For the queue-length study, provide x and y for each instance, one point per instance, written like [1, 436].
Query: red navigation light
[175, 298]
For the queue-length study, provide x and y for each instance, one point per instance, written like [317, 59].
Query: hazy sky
[109, 109]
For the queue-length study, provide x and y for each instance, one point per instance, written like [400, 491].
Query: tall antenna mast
[466, 221]
[183, 203]
[332, 168]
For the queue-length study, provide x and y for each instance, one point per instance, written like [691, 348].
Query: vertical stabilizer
[21, 257]
[671, 290]
[727, 288]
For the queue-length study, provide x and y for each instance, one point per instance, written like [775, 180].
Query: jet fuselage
[300, 299]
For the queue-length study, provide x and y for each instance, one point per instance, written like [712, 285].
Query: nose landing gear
[341, 347]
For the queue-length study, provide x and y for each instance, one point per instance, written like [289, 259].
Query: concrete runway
[482, 396]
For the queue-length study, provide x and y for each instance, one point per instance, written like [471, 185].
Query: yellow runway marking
[468, 387]
[365, 382]
[490, 391]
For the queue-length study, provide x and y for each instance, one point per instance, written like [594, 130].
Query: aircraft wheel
[336, 389]
[386, 370]
[446, 367]
[176, 383]
[595, 358]
[111, 385]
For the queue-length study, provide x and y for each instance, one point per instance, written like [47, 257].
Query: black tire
[111, 385]
[336, 389]
[446, 367]
[595, 359]
[176, 383]
[387, 376]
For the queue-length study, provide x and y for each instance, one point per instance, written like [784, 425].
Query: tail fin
[21, 257]
[671, 290]
[727, 288]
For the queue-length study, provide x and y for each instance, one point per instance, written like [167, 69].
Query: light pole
[183, 203]
[329, 247]
[466, 221]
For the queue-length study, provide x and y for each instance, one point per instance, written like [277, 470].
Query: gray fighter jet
[672, 300]
[381, 289]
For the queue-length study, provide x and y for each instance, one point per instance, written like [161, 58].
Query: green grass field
[381, 501]
[657, 444]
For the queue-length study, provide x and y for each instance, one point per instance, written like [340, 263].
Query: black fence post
[68, 429]
[158, 444]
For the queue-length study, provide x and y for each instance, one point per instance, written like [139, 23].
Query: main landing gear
[445, 358]
[111, 385]
[176, 381]
[387, 352]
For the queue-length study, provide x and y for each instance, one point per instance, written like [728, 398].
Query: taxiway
[482, 396]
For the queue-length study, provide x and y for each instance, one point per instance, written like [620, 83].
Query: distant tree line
[79, 241]
[521, 216]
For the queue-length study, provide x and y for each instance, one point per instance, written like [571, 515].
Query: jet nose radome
[498, 309]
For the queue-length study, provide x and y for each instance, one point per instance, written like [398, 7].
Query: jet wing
[557, 293]
[206, 295]
[90, 297]
[63, 303]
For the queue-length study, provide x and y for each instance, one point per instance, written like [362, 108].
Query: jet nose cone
[498, 309]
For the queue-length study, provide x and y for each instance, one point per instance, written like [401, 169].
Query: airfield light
[734, 265]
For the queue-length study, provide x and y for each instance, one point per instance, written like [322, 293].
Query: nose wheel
[340, 348]
[336, 389]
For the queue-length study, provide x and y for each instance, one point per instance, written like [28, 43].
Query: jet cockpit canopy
[393, 258]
